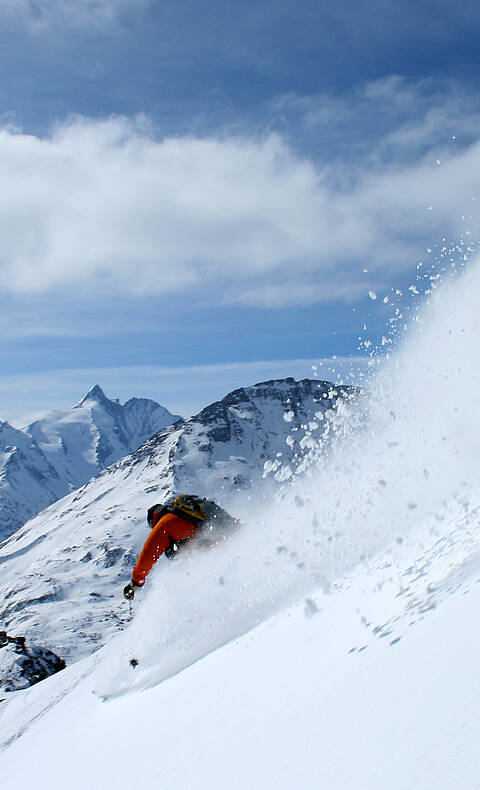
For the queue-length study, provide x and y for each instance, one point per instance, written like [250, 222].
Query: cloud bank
[104, 205]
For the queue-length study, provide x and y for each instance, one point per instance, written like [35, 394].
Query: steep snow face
[64, 449]
[368, 686]
[63, 572]
[140, 415]
[28, 482]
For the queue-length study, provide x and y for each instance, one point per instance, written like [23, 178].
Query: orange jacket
[168, 529]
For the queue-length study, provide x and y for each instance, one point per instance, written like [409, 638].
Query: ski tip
[99, 695]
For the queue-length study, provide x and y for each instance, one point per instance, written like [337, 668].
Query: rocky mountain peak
[97, 395]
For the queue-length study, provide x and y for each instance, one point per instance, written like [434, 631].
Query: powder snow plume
[404, 458]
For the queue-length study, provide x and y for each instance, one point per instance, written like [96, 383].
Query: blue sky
[202, 195]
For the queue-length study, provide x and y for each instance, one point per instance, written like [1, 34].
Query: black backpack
[212, 521]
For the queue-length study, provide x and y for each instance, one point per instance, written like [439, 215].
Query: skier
[172, 525]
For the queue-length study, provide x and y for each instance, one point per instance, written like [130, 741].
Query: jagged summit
[94, 394]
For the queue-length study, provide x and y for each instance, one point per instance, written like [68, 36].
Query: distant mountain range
[63, 572]
[60, 452]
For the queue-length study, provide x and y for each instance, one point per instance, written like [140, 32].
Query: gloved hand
[129, 590]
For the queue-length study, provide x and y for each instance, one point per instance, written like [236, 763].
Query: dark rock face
[22, 666]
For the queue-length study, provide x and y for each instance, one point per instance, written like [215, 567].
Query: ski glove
[129, 590]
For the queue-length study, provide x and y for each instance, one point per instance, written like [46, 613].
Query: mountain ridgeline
[63, 571]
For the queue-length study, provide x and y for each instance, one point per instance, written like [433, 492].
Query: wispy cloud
[389, 120]
[39, 14]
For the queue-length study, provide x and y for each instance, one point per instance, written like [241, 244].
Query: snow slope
[63, 571]
[371, 685]
[64, 449]
[336, 648]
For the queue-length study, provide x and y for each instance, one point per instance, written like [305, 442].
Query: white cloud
[103, 205]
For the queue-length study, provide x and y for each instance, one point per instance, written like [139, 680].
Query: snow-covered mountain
[255, 432]
[81, 441]
[64, 449]
[62, 573]
[331, 643]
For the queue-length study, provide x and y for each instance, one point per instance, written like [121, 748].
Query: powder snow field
[371, 686]
[337, 647]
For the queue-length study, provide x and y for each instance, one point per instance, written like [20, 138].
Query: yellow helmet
[190, 505]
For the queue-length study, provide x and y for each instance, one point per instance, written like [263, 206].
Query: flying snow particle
[372, 295]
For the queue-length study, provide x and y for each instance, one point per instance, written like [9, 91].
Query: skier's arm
[155, 545]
